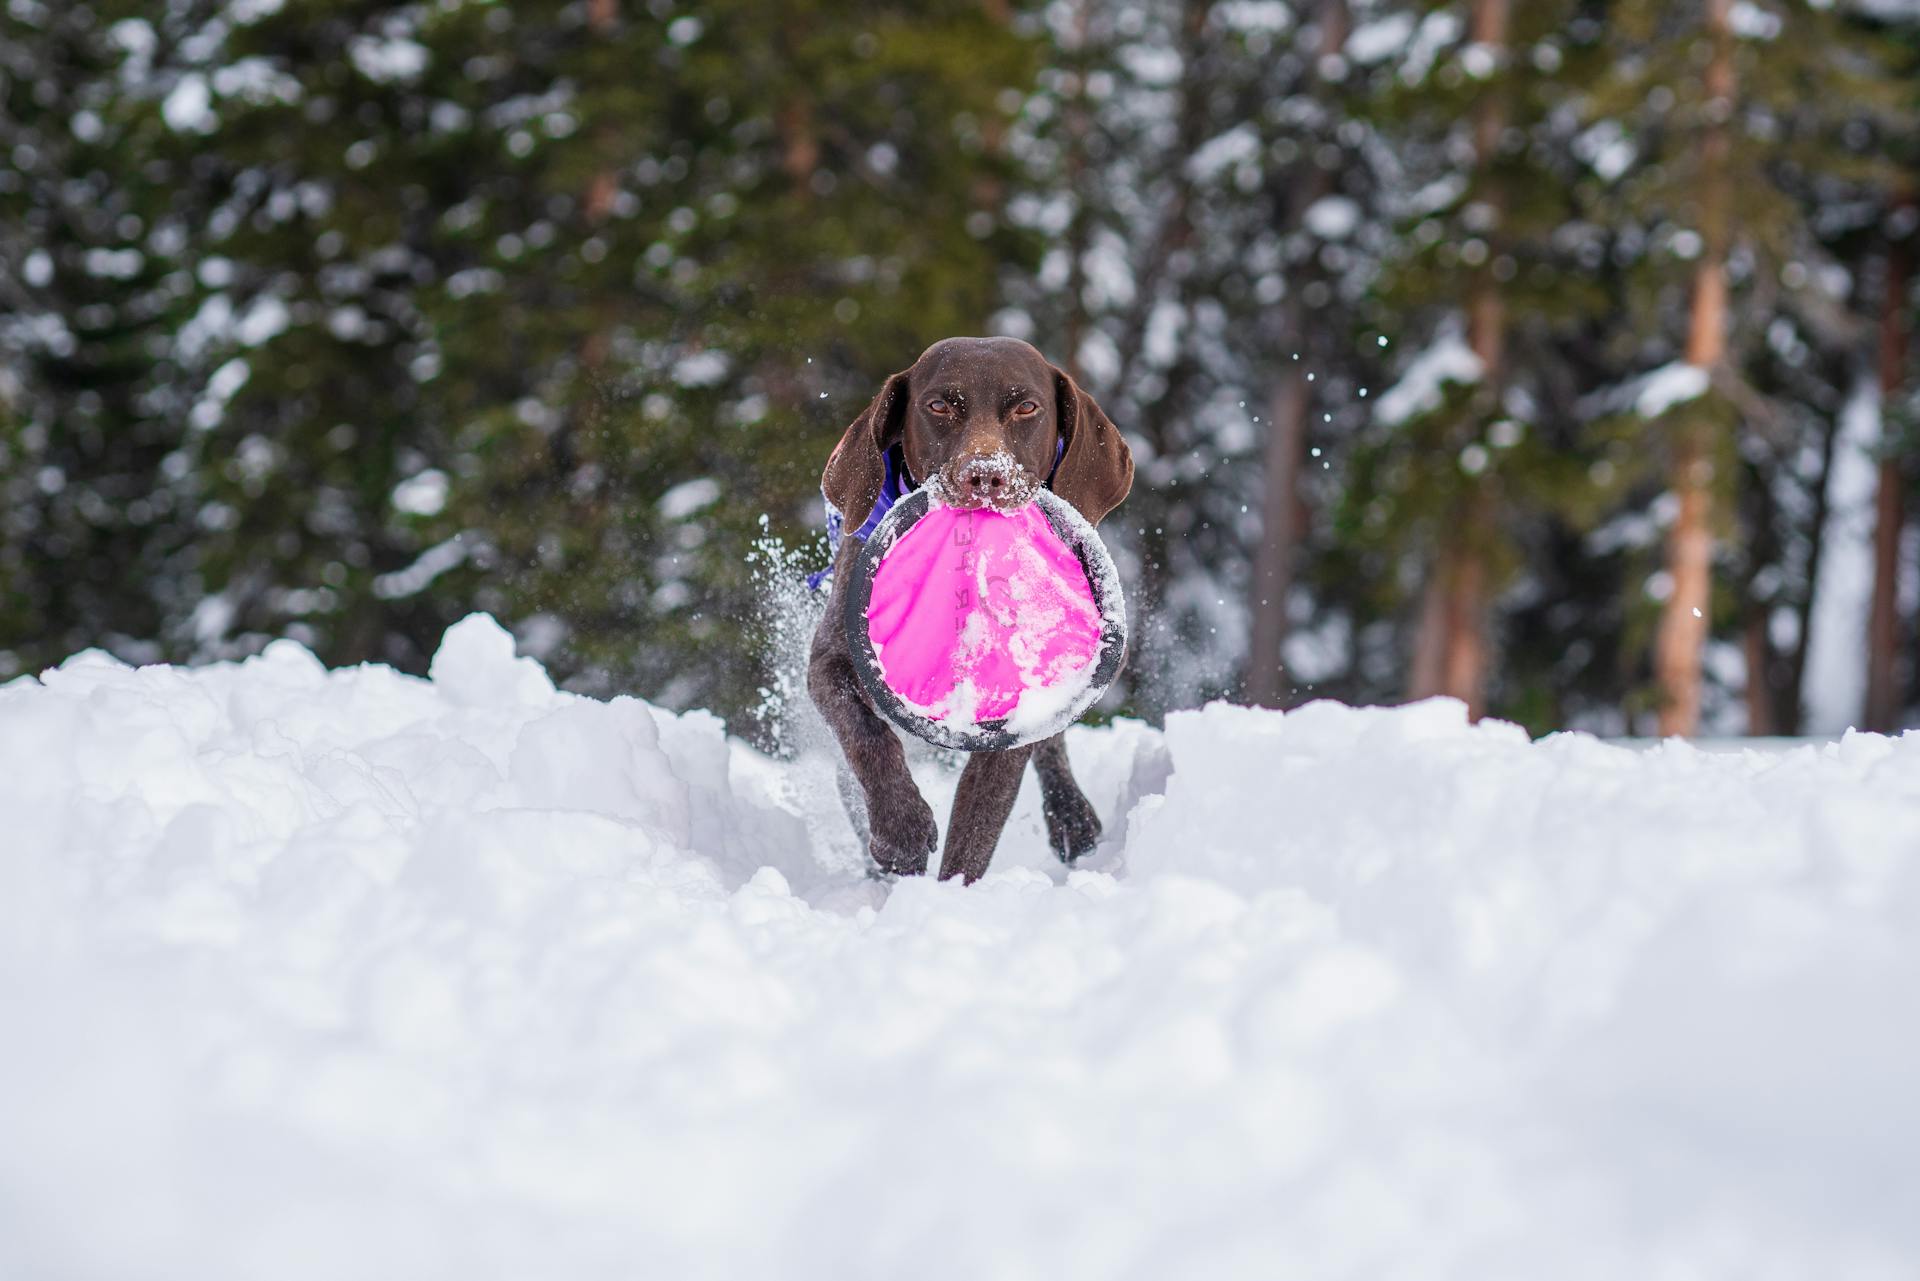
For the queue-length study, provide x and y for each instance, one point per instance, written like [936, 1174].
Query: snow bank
[323, 974]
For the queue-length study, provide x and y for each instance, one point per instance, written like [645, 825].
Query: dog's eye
[1026, 409]
[938, 405]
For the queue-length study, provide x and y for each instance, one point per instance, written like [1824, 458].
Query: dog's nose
[985, 479]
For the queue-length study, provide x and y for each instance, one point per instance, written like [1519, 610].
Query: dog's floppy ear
[1096, 471]
[857, 468]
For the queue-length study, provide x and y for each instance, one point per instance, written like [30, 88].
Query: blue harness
[897, 485]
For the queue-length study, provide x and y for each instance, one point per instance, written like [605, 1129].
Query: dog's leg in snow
[902, 832]
[1073, 829]
[980, 807]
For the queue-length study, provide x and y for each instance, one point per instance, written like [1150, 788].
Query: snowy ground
[329, 975]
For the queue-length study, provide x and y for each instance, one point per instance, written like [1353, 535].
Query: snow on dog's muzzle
[982, 629]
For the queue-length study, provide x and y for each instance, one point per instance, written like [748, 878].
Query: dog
[984, 422]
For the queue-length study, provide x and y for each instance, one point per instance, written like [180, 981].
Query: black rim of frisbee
[987, 736]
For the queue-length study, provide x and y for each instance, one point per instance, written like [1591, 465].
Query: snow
[427, 566]
[1836, 677]
[689, 497]
[1239, 145]
[1479, 60]
[1607, 149]
[256, 80]
[1381, 38]
[1044, 707]
[1153, 65]
[266, 318]
[1750, 22]
[1332, 217]
[702, 368]
[385, 60]
[1422, 388]
[1670, 385]
[423, 493]
[323, 974]
[188, 106]
[1436, 32]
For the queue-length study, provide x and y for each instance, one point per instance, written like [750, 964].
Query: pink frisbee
[978, 629]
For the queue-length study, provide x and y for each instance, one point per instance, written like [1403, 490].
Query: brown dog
[985, 421]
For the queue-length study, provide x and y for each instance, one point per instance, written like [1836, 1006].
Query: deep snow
[348, 974]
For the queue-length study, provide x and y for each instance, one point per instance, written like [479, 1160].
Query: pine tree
[101, 381]
[1469, 465]
[1299, 189]
[1731, 111]
[545, 309]
[1209, 198]
[1885, 626]
[1887, 694]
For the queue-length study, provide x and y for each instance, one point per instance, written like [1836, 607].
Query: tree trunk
[597, 201]
[1450, 647]
[1279, 521]
[1426, 676]
[1767, 669]
[1882, 710]
[1286, 440]
[1466, 667]
[1156, 263]
[799, 143]
[1761, 721]
[1793, 700]
[1682, 637]
[989, 187]
[1683, 622]
[1079, 124]
[565, 448]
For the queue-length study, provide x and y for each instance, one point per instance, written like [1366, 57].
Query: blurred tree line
[1551, 355]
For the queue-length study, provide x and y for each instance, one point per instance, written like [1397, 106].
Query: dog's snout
[984, 479]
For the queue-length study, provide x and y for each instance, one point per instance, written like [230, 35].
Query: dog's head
[981, 422]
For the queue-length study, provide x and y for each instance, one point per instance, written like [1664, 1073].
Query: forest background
[1555, 356]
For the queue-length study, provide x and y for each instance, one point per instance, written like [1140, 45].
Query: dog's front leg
[901, 829]
[981, 804]
[1073, 829]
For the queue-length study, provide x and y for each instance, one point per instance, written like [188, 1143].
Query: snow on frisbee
[980, 629]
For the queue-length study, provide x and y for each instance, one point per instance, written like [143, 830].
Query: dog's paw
[904, 836]
[1073, 829]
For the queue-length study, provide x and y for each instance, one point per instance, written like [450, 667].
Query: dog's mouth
[995, 481]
